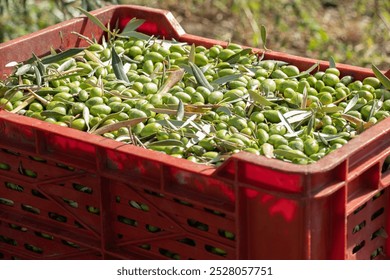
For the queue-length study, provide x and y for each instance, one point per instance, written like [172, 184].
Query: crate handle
[385, 176]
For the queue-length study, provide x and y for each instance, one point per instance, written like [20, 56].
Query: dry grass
[353, 32]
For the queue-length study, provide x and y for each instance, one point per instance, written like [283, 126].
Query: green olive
[276, 140]
[150, 128]
[221, 115]
[311, 146]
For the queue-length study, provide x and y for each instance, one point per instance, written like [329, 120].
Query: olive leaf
[330, 137]
[163, 75]
[77, 73]
[81, 36]
[11, 64]
[130, 60]
[47, 91]
[374, 108]
[310, 125]
[41, 99]
[173, 78]
[38, 76]
[276, 62]
[9, 94]
[167, 142]
[154, 74]
[86, 116]
[331, 108]
[292, 113]
[306, 72]
[351, 103]
[94, 19]
[110, 116]
[136, 35]
[263, 33]
[117, 66]
[265, 90]
[294, 135]
[268, 150]
[225, 79]
[304, 98]
[52, 51]
[285, 123]
[90, 55]
[23, 69]
[230, 145]
[225, 110]
[116, 126]
[260, 57]
[366, 125]
[174, 124]
[381, 77]
[65, 65]
[219, 158]
[235, 57]
[199, 76]
[322, 139]
[354, 120]
[206, 128]
[199, 135]
[289, 154]
[171, 124]
[40, 65]
[199, 109]
[52, 114]
[124, 138]
[24, 104]
[187, 68]
[133, 138]
[191, 56]
[180, 111]
[170, 111]
[231, 101]
[296, 116]
[131, 26]
[188, 121]
[60, 56]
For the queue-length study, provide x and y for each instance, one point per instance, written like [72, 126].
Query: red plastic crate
[119, 201]
[21, 242]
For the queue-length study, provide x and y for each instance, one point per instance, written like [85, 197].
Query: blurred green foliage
[21, 17]
[355, 32]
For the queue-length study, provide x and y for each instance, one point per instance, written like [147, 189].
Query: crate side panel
[30, 167]
[17, 134]
[215, 193]
[173, 189]
[271, 227]
[157, 21]
[326, 224]
[143, 220]
[131, 164]
[366, 226]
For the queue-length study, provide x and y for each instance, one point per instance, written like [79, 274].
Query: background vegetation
[353, 32]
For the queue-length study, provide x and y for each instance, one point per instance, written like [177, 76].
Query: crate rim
[324, 164]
